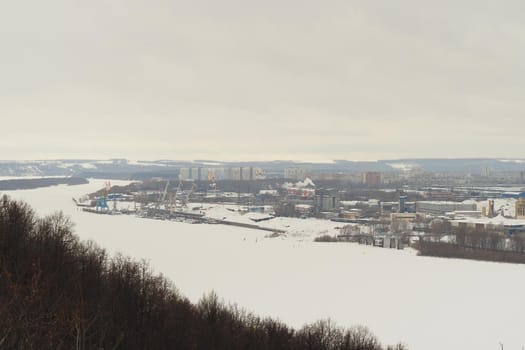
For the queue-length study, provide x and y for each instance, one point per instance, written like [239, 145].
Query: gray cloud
[261, 80]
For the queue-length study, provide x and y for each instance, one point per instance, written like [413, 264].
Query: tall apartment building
[184, 173]
[372, 178]
[296, 173]
[216, 174]
[194, 173]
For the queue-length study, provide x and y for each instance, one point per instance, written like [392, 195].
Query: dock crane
[173, 198]
[186, 199]
[165, 192]
[162, 196]
[102, 202]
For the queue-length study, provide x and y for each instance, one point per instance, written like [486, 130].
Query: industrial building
[520, 206]
[441, 208]
[326, 202]
[402, 203]
[402, 222]
[508, 226]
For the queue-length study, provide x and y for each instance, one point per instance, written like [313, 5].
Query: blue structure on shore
[402, 203]
[101, 204]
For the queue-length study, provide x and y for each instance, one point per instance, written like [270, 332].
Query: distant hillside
[26, 184]
[125, 169]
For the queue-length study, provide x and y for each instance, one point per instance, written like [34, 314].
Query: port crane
[162, 196]
[186, 199]
[165, 192]
[101, 203]
[173, 199]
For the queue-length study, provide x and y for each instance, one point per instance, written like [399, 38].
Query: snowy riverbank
[429, 303]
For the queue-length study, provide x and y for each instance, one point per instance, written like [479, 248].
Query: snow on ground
[429, 303]
[498, 220]
[512, 160]
[306, 229]
[88, 166]
[403, 166]
[505, 206]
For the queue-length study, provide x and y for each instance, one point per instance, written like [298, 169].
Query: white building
[296, 173]
[443, 207]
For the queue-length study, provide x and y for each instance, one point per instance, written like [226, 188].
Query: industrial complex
[386, 209]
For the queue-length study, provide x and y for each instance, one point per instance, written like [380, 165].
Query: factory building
[508, 226]
[441, 208]
[402, 222]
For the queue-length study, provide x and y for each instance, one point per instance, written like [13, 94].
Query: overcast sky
[254, 80]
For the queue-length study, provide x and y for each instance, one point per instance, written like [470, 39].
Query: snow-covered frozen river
[427, 303]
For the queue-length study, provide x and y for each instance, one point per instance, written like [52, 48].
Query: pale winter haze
[304, 80]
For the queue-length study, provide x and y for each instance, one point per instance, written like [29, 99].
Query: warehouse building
[440, 208]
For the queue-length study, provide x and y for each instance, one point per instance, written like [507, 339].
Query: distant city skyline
[253, 81]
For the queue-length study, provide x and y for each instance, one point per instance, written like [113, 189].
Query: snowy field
[299, 229]
[427, 303]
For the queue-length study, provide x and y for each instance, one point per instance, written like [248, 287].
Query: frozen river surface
[427, 303]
